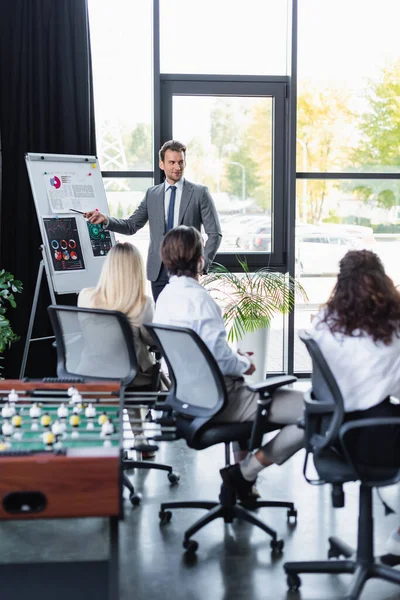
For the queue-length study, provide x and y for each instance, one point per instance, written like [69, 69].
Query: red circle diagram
[55, 182]
[74, 255]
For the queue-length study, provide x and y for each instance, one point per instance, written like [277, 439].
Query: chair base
[362, 572]
[135, 499]
[363, 566]
[173, 476]
[228, 510]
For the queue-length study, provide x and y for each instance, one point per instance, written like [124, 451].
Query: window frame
[247, 86]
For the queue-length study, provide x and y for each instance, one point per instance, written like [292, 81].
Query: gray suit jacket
[197, 208]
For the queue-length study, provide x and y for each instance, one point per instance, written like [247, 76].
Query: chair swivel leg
[173, 476]
[133, 497]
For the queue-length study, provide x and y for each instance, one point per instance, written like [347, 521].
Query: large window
[348, 135]
[121, 40]
[166, 68]
[234, 131]
[224, 37]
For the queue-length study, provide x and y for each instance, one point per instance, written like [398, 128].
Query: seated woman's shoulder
[85, 297]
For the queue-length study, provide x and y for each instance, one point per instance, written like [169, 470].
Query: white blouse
[366, 372]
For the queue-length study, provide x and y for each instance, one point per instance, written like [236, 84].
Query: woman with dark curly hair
[358, 332]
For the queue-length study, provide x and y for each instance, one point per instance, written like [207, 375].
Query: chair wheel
[190, 546]
[277, 546]
[292, 514]
[135, 499]
[165, 516]
[293, 581]
[173, 477]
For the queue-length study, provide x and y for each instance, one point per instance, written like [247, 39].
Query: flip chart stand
[43, 267]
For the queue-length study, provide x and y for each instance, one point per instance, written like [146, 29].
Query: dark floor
[233, 561]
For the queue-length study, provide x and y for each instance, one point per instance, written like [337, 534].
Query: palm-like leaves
[250, 300]
[8, 287]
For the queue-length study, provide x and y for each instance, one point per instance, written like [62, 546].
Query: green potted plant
[8, 287]
[249, 301]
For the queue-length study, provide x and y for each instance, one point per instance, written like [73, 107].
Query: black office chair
[197, 394]
[95, 344]
[326, 438]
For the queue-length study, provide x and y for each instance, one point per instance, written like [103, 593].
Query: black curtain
[46, 105]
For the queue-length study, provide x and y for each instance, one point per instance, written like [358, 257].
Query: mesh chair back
[93, 344]
[198, 388]
[324, 389]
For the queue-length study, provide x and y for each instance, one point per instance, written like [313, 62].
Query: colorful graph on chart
[100, 239]
[64, 243]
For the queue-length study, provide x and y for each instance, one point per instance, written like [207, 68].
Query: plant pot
[256, 342]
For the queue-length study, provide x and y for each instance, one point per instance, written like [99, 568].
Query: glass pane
[230, 150]
[334, 217]
[223, 37]
[119, 32]
[123, 196]
[348, 86]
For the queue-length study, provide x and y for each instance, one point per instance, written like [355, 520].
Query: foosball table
[61, 448]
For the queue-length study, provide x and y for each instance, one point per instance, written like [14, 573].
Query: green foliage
[379, 128]
[380, 123]
[386, 228]
[8, 287]
[332, 218]
[319, 148]
[250, 300]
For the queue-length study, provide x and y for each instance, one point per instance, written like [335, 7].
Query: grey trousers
[286, 408]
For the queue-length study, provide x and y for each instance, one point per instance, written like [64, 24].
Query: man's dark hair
[173, 145]
[180, 251]
[364, 299]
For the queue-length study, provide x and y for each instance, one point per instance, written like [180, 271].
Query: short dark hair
[180, 251]
[364, 299]
[173, 145]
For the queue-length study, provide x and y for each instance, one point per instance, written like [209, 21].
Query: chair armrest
[271, 384]
[157, 352]
[314, 410]
[363, 424]
[266, 390]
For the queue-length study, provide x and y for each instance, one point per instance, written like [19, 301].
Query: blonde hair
[122, 282]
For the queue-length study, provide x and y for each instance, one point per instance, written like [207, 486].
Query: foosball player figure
[76, 400]
[102, 418]
[17, 422]
[90, 413]
[7, 411]
[107, 429]
[74, 421]
[7, 430]
[46, 420]
[48, 440]
[13, 396]
[62, 414]
[57, 430]
[34, 413]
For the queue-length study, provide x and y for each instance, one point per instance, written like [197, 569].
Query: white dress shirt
[185, 303]
[366, 372]
[167, 199]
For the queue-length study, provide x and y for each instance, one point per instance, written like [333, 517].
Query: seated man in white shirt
[185, 303]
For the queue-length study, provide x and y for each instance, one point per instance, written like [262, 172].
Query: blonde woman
[122, 287]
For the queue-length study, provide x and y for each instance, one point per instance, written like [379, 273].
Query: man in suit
[165, 206]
